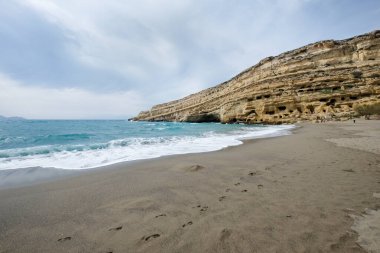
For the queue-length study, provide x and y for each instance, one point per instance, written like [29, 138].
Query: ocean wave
[11, 140]
[62, 137]
[127, 149]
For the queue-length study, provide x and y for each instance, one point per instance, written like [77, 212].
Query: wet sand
[313, 191]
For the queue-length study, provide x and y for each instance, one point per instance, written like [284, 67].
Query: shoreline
[293, 193]
[131, 145]
[14, 178]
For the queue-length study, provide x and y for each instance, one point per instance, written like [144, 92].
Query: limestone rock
[323, 80]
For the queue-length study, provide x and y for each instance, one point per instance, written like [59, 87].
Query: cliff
[318, 81]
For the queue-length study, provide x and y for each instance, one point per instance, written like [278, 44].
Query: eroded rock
[317, 82]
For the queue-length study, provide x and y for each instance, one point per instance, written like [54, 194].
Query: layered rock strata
[318, 81]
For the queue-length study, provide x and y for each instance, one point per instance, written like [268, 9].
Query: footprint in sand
[228, 189]
[222, 198]
[187, 224]
[160, 215]
[195, 167]
[349, 170]
[198, 206]
[237, 184]
[147, 238]
[68, 238]
[203, 209]
[260, 186]
[245, 190]
[252, 173]
[116, 228]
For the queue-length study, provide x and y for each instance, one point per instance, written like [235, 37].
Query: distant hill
[3, 118]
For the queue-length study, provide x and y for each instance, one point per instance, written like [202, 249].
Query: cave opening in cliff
[282, 108]
[203, 118]
[311, 108]
[331, 102]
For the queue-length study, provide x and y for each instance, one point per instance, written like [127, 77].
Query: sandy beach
[317, 190]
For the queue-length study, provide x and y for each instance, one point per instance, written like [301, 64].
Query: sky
[110, 59]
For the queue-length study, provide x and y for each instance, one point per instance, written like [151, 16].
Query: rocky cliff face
[321, 80]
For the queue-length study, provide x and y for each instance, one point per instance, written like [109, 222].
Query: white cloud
[166, 49]
[146, 40]
[125, 51]
[17, 99]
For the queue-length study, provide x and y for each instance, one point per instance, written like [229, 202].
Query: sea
[85, 144]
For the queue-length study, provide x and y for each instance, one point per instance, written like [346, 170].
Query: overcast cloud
[111, 59]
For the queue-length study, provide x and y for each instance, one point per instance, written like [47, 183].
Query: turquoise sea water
[83, 144]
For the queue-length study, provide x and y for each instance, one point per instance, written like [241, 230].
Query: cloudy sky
[71, 59]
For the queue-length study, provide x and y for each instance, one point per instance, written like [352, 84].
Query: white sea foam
[130, 149]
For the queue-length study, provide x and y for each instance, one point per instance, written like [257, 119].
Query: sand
[296, 193]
